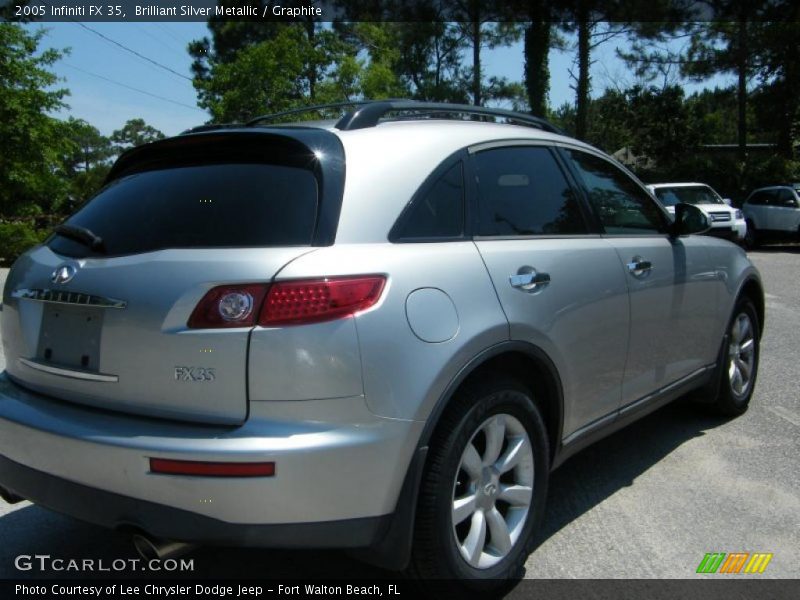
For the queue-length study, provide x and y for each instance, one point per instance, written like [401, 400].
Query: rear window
[200, 206]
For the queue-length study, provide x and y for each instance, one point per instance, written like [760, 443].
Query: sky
[101, 75]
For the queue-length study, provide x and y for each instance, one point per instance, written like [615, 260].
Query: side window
[438, 212]
[756, 199]
[785, 197]
[623, 207]
[522, 191]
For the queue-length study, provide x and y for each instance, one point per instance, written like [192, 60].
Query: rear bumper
[338, 470]
[116, 511]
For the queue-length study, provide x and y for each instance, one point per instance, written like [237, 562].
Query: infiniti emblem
[63, 274]
[490, 489]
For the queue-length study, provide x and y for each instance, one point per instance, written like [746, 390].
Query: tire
[738, 362]
[460, 450]
[750, 236]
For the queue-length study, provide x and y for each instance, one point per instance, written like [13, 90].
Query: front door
[673, 311]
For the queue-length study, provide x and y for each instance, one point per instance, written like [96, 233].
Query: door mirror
[727, 201]
[689, 219]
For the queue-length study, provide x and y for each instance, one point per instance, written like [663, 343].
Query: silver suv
[380, 333]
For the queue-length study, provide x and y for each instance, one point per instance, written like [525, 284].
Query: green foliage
[29, 171]
[18, 237]
[269, 76]
[135, 132]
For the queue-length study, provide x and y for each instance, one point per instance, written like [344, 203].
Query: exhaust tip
[150, 548]
[10, 496]
[145, 547]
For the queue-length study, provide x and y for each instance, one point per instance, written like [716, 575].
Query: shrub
[16, 237]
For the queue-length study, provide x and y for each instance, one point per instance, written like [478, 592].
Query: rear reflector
[297, 302]
[211, 469]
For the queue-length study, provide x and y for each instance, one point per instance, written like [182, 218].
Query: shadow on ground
[776, 248]
[578, 486]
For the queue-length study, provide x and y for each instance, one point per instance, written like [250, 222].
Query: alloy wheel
[741, 354]
[492, 491]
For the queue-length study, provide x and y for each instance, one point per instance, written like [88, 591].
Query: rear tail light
[294, 302]
[228, 306]
[286, 302]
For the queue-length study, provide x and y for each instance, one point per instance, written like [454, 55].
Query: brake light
[228, 306]
[286, 302]
[296, 302]
[211, 469]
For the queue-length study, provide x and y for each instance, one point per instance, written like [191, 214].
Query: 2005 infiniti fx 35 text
[379, 333]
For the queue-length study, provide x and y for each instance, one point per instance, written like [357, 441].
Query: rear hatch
[105, 323]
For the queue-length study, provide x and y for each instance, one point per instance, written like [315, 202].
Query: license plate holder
[70, 336]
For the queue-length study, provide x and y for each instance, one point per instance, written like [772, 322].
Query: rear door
[108, 326]
[759, 206]
[783, 212]
[673, 312]
[559, 283]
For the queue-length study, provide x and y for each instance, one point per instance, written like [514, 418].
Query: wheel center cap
[490, 489]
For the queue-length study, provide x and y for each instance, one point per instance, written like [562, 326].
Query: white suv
[773, 211]
[726, 221]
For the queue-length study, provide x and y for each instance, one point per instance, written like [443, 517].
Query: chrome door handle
[638, 267]
[529, 280]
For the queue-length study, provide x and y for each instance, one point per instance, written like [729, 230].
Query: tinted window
[209, 206]
[786, 197]
[623, 206]
[439, 211]
[522, 191]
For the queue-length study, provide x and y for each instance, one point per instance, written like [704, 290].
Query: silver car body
[344, 408]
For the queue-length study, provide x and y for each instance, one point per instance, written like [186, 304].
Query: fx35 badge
[194, 374]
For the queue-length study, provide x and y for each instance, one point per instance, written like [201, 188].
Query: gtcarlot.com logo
[46, 562]
[734, 563]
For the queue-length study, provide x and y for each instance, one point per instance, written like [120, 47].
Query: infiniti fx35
[380, 333]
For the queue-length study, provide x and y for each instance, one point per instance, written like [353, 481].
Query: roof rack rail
[297, 111]
[369, 113]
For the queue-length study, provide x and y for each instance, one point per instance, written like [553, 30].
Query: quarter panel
[319, 360]
[403, 375]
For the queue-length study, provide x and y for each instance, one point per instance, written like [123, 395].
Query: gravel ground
[647, 502]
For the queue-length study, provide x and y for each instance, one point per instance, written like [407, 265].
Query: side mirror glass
[689, 219]
[727, 201]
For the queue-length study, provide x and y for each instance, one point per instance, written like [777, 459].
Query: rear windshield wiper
[85, 236]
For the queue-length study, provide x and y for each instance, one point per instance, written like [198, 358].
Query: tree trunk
[537, 71]
[741, 89]
[311, 31]
[582, 91]
[476, 61]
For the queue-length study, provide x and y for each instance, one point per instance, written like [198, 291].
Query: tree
[538, 40]
[779, 70]
[85, 164]
[34, 140]
[89, 147]
[481, 25]
[269, 76]
[135, 132]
